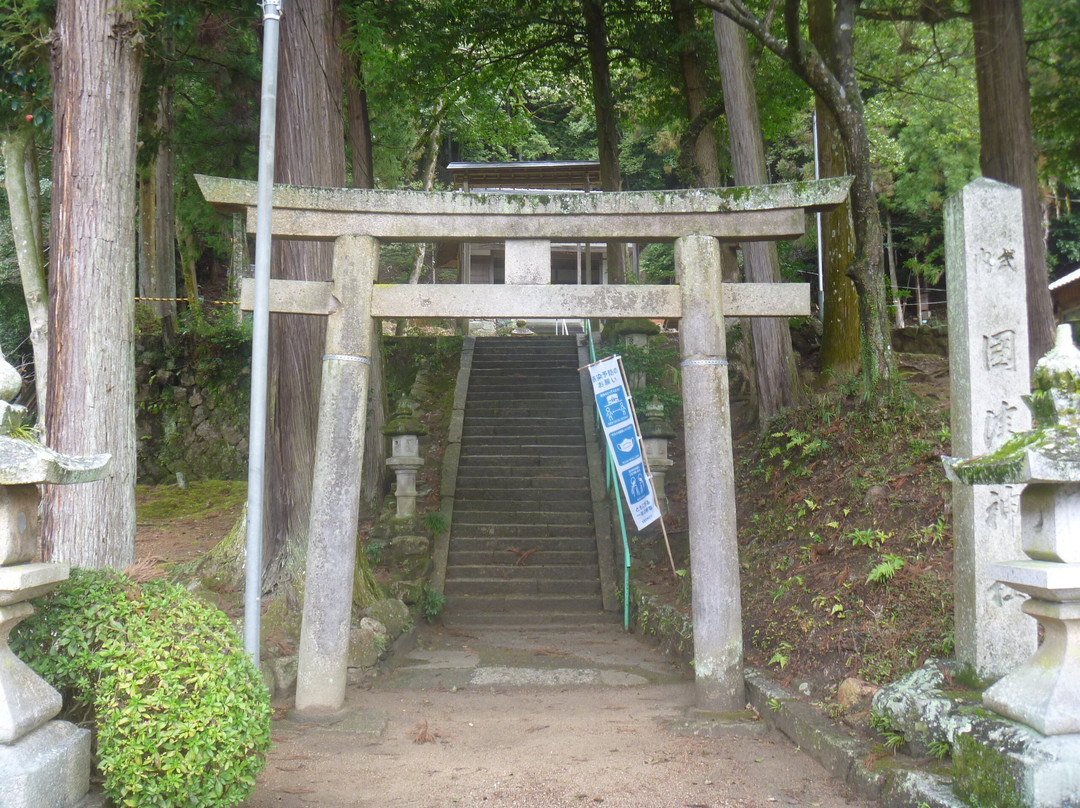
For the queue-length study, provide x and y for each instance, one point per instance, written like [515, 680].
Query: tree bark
[607, 131]
[20, 178]
[840, 319]
[836, 85]
[310, 151]
[776, 375]
[92, 274]
[1007, 151]
[890, 252]
[373, 472]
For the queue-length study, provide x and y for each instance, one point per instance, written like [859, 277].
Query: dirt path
[535, 718]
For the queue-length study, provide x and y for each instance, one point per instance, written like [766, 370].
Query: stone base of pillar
[50, 766]
[1044, 692]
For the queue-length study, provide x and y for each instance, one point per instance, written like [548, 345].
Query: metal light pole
[260, 331]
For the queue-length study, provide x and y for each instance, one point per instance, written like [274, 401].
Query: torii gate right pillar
[710, 475]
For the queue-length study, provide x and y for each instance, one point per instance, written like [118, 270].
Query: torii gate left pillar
[696, 220]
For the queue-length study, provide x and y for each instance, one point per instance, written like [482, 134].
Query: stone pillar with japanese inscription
[989, 370]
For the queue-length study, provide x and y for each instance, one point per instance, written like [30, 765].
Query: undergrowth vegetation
[845, 541]
[180, 715]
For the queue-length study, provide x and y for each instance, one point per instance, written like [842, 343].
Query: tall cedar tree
[96, 72]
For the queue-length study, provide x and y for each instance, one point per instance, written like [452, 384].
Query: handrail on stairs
[610, 480]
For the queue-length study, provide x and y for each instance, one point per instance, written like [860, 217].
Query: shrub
[181, 716]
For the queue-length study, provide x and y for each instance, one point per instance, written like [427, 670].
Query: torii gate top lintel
[762, 212]
[527, 222]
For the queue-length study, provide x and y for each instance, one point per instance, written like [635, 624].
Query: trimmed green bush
[180, 715]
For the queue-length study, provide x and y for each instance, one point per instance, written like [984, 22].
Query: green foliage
[657, 263]
[894, 738]
[404, 356]
[182, 716]
[436, 522]
[885, 569]
[431, 603]
[658, 360]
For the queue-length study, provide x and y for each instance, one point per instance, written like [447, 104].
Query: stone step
[577, 619]
[484, 478]
[547, 398]
[502, 460]
[471, 587]
[507, 568]
[523, 409]
[525, 367]
[497, 510]
[515, 455]
[478, 537]
[566, 560]
[466, 519]
[516, 430]
[531, 498]
[518, 604]
[512, 439]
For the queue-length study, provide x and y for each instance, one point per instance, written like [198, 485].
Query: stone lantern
[655, 434]
[42, 761]
[404, 431]
[1044, 692]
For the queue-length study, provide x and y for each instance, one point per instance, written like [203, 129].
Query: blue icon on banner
[612, 406]
[624, 442]
[636, 486]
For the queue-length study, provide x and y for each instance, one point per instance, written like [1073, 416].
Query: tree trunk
[26, 232]
[91, 307]
[363, 176]
[165, 203]
[363, 164]
[898, 313]
[607, 130]
[774, 362]
[840, 319]
[310, 151]
[1007, 152]
[703, 168]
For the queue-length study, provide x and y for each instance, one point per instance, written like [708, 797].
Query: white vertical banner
[624, 440]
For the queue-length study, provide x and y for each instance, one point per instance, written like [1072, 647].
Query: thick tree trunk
[840, 319]
[21, 177]
[363, 176]
[1007, 152]
[92, 274]
[774, 362]
[607, 131]
[310, 151]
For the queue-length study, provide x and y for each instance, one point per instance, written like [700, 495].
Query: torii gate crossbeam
[696, 220]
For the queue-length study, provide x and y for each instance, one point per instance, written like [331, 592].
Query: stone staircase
[523, 543]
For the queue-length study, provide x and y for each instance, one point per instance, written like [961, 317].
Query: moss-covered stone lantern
[404, 431]
[42, 761]
[1044, 692]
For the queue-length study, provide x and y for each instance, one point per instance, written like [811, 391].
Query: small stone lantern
[43, 762]
[404, 431]
[1044, 692]
[655, 434]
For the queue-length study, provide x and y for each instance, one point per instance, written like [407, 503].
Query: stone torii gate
[697, 220]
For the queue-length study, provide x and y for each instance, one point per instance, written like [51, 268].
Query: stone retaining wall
[191, 413]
